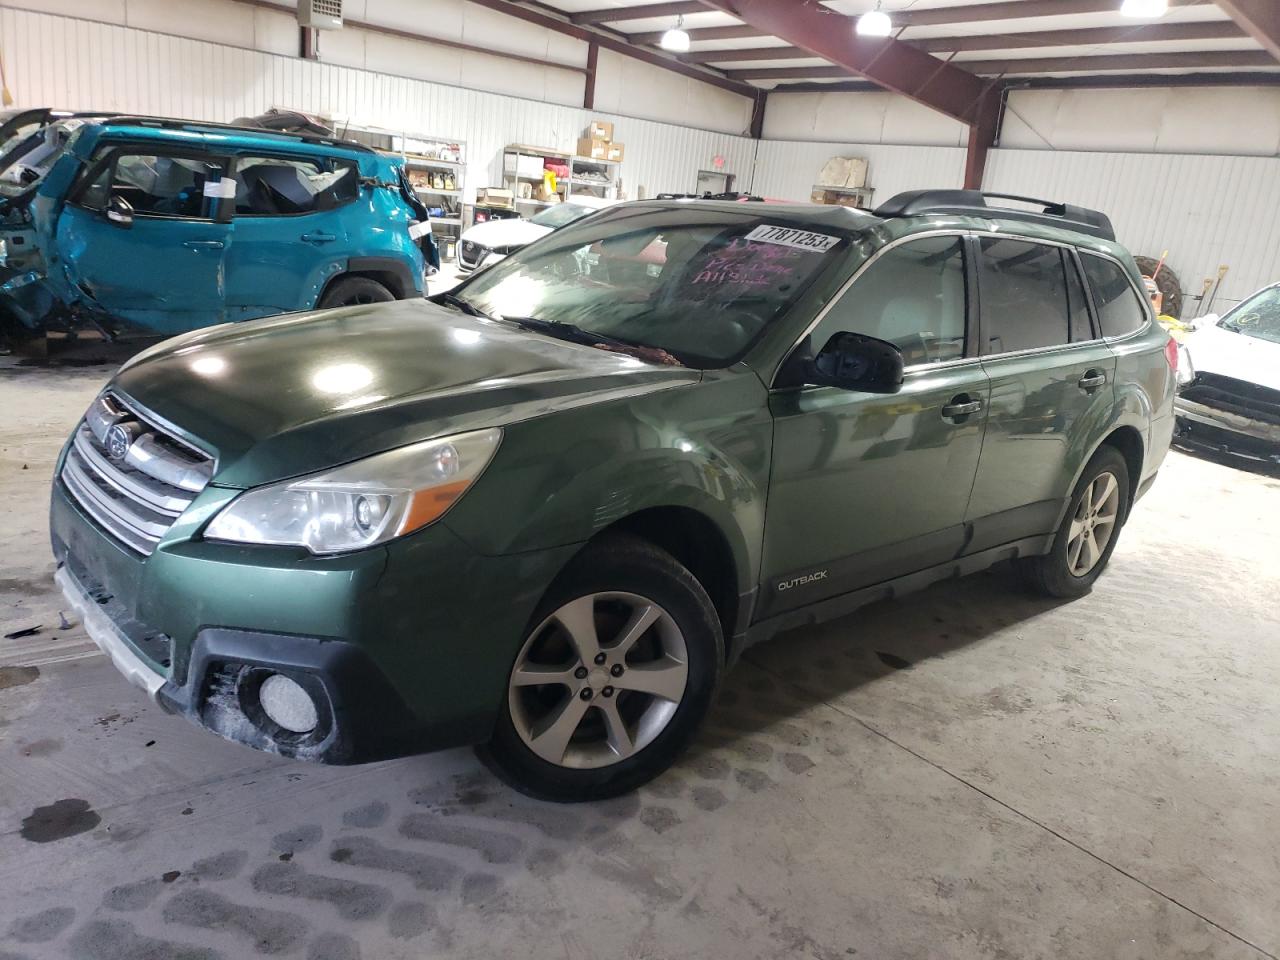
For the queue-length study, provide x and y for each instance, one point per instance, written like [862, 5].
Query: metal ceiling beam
[890, 63]
[1138, 33]
[1097, 81]
[1129, 61]
[1126, 61]
[696, 34]
[611, 41]
[642, 12]
[1144, 33]
[984, 12]
[1259, 18]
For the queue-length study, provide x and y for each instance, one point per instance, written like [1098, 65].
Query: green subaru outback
[544, 512]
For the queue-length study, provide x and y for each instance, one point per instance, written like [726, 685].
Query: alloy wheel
[598, 680]
[1093, 525]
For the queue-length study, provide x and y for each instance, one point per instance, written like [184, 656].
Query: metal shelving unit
[428, 160]
[565, 186]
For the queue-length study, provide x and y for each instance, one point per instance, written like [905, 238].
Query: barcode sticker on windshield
[787, 237]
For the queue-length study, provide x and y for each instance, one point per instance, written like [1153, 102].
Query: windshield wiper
[461, 303]
[565, 331]
[575, 334]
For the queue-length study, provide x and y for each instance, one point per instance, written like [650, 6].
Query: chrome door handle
[318, 238]
[961, 409]
[1091, 381]
[204, 244]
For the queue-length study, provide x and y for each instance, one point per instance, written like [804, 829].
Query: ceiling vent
[320, 14]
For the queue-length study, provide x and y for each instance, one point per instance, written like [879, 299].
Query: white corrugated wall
[81, 64]
[787, 170]
[1206, 211]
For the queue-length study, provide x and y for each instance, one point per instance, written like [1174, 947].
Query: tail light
[1171, 354]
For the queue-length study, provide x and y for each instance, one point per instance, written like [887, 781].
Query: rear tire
[1089, 531]
[352, 291]
[614, 676]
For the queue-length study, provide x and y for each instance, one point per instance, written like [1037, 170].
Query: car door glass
[1023, 287]
[914, 296]
[276, 186]
[164, 186]
[1077, 302]
[1120, 310]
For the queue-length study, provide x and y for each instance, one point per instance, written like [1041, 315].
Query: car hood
[505, 233]
[1237, 355]
[298, 393]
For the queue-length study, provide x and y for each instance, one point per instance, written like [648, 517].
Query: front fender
[564, 478]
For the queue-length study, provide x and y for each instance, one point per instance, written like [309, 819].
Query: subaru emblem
[118, 442]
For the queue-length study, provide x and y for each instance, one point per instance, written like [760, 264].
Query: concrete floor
[968, 772]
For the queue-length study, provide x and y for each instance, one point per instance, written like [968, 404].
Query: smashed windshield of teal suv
[696, 284]
[1259, 316]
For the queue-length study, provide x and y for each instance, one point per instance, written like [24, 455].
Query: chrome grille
[137, 494]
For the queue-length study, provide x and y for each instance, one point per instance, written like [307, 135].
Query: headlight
[367, 502]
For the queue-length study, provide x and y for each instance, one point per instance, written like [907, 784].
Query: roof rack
[171, 123]
[973, 203]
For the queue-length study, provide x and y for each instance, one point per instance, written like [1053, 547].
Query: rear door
[163, 270]
[289, 231]
[1052, 392]
[868, 487]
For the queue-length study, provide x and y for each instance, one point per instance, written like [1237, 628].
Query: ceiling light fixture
[1144, 9]
[677, 38]
[875, 23]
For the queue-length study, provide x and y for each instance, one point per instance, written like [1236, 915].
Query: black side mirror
[852, 361]
[120, 212]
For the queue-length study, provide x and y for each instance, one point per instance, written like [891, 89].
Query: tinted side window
[913, 296]
[1120, 309]
[154, 185]
[1023, 287]
[273, 186]
[1081, 326]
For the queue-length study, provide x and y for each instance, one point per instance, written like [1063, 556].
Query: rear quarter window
[1120, 310]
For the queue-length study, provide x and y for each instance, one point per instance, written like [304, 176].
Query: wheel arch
[1127, 440]
[391, 273]
[697, 542]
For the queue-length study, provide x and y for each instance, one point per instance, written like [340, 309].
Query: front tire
[351, 291]
[613, 678]
[1087, 537]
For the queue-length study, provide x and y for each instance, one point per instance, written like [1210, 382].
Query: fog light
[287, 704]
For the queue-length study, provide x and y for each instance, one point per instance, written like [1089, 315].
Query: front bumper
[1199, 425]
[404, 648]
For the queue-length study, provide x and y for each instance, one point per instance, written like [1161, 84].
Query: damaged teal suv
[544, 512]
[146, 226]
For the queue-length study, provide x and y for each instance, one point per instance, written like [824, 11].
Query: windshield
[560, 215]
[1259, 316]
[700, 284]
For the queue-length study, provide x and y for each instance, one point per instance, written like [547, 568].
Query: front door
[1051, 388]
[159, 265]
[867, 487]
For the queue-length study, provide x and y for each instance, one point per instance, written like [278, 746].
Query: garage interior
[968, 771]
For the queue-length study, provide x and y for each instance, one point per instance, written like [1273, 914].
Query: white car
[1229, 380]
[487, 243]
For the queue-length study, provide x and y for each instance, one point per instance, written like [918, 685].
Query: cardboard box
[600, 149]
[495, 197]
[844, 172]
[838, 198]
[527, 166]
[599, 130]
[547, 195]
